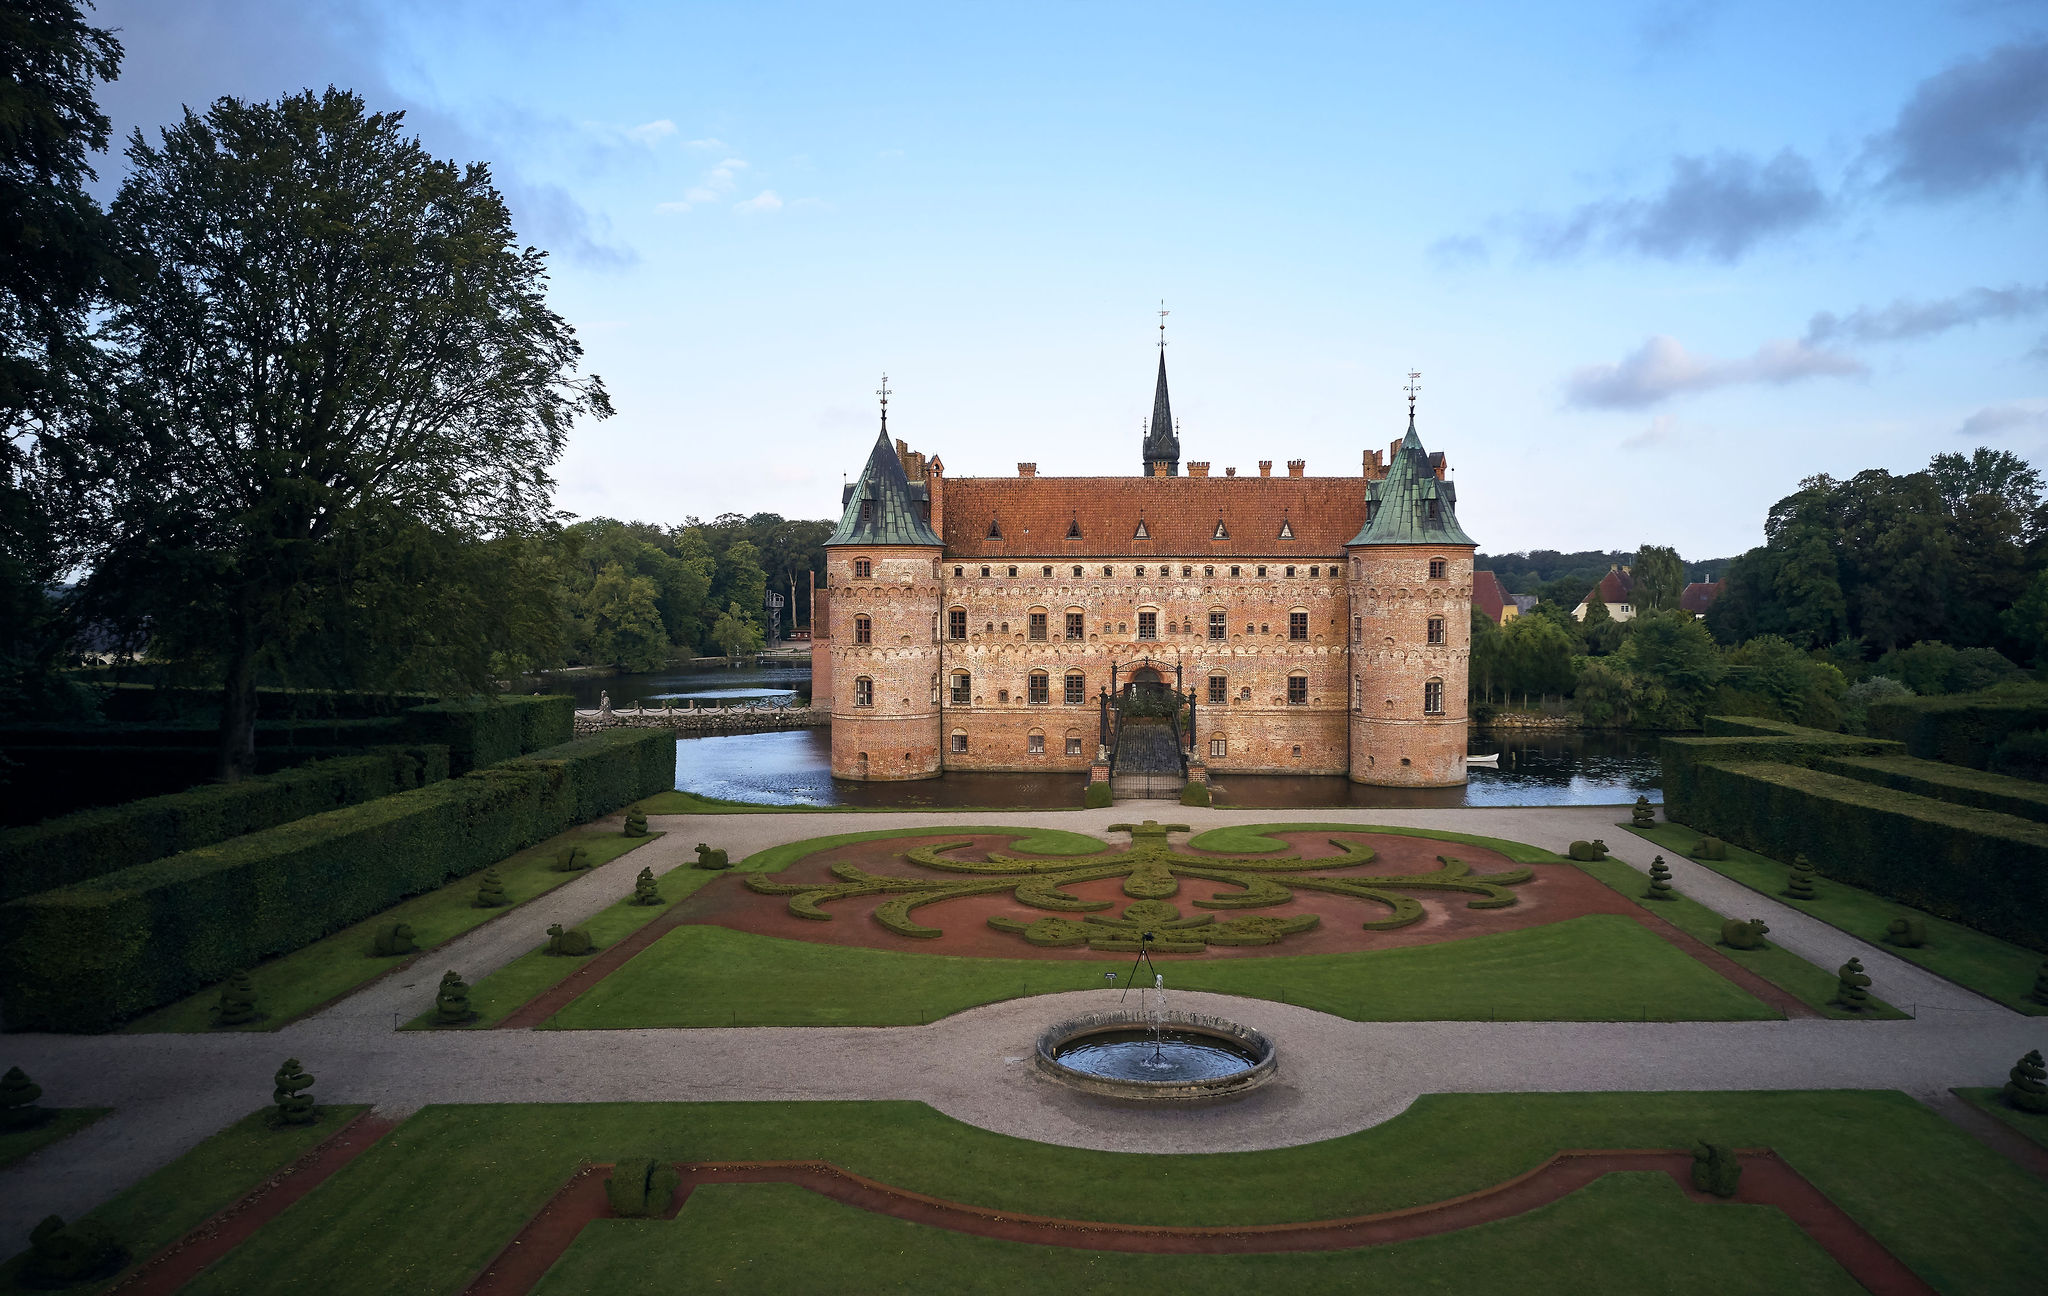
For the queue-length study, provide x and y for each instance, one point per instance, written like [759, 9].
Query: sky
[1655, 262]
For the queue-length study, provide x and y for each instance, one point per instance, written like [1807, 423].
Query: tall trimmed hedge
[94, 842]
[1953, 783]
[87, 956]
[1960, 728]
[487, 731]
[1742, 739]
[1983, 869]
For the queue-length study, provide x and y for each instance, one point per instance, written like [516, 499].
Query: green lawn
[1781, 967]
[2032, 1124]
[1993, 968]
[63, 1121]
[737, 1238]
[498, 995]
[165, 1206]
[1596, 968]
[1256, 839]
[426, 1207]
[297, 983]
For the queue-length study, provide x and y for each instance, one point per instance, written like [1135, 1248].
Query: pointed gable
[881, 508]
[1411, 504]
[1286, 529]
[1141, 533]
[1222, 532]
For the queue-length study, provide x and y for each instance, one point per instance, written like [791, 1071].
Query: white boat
[1483, 760]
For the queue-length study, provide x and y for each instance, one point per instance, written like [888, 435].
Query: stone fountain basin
[1260, 1067]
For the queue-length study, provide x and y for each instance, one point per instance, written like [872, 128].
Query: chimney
[935, 478]
[1296, 467]
[1159, 468]
[1393, 451]
[1265, 467]
[1198, 468]
[1027, 470]
[1230, 472]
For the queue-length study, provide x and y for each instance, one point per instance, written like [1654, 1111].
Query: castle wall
[1394, 741]
[895, 734]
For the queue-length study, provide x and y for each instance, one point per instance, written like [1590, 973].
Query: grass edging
[62, 1123]
[2032, 1124]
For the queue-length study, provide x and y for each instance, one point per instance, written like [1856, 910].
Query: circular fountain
[1156, 1054]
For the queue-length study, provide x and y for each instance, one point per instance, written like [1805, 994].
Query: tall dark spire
[1162, 439]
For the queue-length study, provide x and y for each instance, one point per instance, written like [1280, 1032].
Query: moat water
[793, 767]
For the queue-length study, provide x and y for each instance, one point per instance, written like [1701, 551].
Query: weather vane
[883, 392]
[1163, 313]
[1414, 386]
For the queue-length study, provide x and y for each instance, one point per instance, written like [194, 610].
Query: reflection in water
[714, 684]
[793, 768]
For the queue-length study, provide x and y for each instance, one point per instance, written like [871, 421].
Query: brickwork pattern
[884, 682]
[1395, 740]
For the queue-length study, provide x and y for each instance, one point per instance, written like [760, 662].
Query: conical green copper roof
[1398, 508]
[880, 509]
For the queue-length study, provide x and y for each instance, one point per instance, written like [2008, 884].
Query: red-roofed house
[1490, 598]
[1616, 589]
[1700, 595]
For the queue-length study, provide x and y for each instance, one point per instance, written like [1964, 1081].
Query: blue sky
[1655, 262]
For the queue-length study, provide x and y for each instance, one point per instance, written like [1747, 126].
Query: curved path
[1337, 1076]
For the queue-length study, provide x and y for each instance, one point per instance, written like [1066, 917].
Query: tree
[736, 633]
[2026, 622]
[1602, 694]
[1674, 667]
[342, 377]
[1485, 661]
[1600, 630]
[1538, 657]
[1659, 579]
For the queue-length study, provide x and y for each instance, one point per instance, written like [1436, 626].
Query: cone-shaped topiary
[642, 1188]
[1642, 814]
[1715, 1169]
[1660, 881]
[645, 890]
[490, 891]
[1800, 886]
[1096, 796]
[1852, 990]
[2026, 1085]
[451, 1001]
[1736, 934]
[18, 1096]
[1710, 848]
[569, 942]
[2040, 993]
[572, 859]
[237, 1004]
[636, 823]
[1589, 851]
[294, 1104]
[708, 858]
[393, 939]
[1906, 931]
[61, 1255]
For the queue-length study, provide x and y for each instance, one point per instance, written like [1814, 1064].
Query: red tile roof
[1487, 594]
[1180, 516]
[1700, 595]
[1616, 586]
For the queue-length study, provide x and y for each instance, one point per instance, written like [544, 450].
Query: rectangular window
[1037, 688]
[863, 630]
[1297, 690]
[1148, 625]
[1433, 698]
[1297, 625]
[1048, 570]
[1077, 689]
[1436, 569]
[1073, 746]
[1219, 689]
[1315, 573]
[863, 692]
[1262, 573]
[1218, 747]
[960, 742]
[1233, 573]
[984, 569]
[1034, 744]
[1216, 626]
[1038, 625]
[956, 623]
[862, 567]
[1290, 573]
[1357, 629]
[963, 690]
[1073, 625]
[1436, 630]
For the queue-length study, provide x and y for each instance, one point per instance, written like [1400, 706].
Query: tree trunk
[238, 713]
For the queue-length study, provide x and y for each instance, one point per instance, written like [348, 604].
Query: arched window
[1076, 688]
[1034, 743]
[1036, 688]
[1073, 742]
[1297, 689]
[863, 630]
[963, 688]
[863, 568]
[1433, 697]
[863, 692]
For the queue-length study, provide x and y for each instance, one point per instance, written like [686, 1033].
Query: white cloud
[1662, 368]
[2004, 420]
[1663, 430]
[716, 186]
[706, 145]
[654, 131]
[765, 201]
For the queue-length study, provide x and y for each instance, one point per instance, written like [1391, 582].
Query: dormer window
[867, 510]
[1141, 533]
[1286, 529]
[995, 529]
[1074, 531]
[1222, 532]
[1432, 510]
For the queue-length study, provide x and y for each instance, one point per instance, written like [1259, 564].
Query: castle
[1322, 625]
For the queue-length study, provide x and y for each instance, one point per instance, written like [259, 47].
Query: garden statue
[569, 942]
[2026, 1085]
[1736, 934]
[604, 703]
[1642, 814]
[1853, 992]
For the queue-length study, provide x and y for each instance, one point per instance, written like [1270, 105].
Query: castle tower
[882, 566]
[1411, 632]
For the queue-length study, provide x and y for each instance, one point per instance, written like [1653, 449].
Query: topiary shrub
[1906, 931]
[1097, 796]
[1642, 814]
[490, 891]
[18, 1096]
[294, 1104]
[1710, 848]
[1660, 881]
[645, 890]
[237, 1004]
[1853, 989]
[2040, 991]
[571, 859]
[572, 943]
[63, 1255]
[1194, 794]
[636, 823]
[708, 858]
[1737, 934]
[1589, 851]
[2026, 1085]
[642, 1188]
[1715, 1169]
[451, 1001]
[393, 939]
[1800, 885]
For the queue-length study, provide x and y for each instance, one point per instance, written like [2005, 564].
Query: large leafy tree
[1659, 579]
[1675, 667]
[55, 264]
[343, 379]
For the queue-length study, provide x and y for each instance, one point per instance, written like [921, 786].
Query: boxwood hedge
[1955, 783]
[1960, 728]
[93, 842]
[86, 956]
[1732, 739]
[487, 731]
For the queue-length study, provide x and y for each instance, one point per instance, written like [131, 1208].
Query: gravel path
[1336, 1076]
